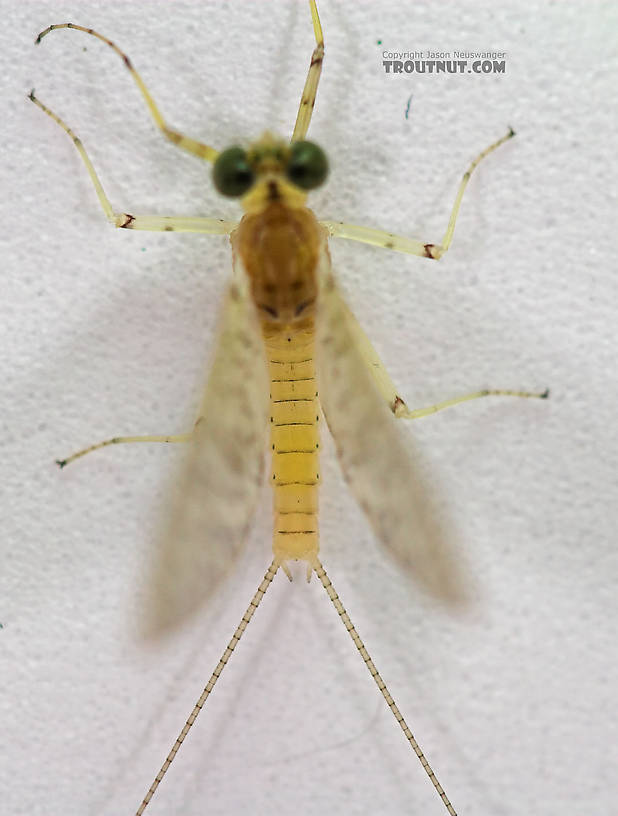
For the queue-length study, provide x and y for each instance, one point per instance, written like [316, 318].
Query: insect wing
[215, 492]
[381, 473]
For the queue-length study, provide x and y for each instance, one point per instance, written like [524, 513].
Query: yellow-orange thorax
[279, 248]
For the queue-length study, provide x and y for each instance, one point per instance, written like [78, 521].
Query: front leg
[197, 148]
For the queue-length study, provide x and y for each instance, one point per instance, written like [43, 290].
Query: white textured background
[105, 332]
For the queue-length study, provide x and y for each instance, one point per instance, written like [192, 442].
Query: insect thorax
[279, 248]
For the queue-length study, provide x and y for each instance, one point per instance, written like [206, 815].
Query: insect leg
[255, 602]
[401, 410]
[200, 149]
[345, 618]
[411, 246]
[307, 100]
[156, 223]
[119, 440]
[390, 393]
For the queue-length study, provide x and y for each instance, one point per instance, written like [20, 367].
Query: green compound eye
[231, 173]
[307, 166]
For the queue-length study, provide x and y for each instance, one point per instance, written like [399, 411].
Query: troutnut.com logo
[444, 62]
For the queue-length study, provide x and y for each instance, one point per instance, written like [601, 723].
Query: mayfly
[288, 347]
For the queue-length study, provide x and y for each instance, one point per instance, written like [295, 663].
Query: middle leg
[123, 220]
[412, 246]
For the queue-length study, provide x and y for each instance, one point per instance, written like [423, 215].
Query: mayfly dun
[288, 347]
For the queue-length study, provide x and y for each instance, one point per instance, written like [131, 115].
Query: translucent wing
[218, 483]
[374, 455]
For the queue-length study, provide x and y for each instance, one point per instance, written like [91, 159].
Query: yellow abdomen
[294, 440]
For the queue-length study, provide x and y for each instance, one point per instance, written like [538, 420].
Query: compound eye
[232, 173]
[307, 166]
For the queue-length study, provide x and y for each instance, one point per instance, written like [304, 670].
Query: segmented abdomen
[294, 442]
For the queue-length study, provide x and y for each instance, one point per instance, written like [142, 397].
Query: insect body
[288, 347]
[280, 243]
